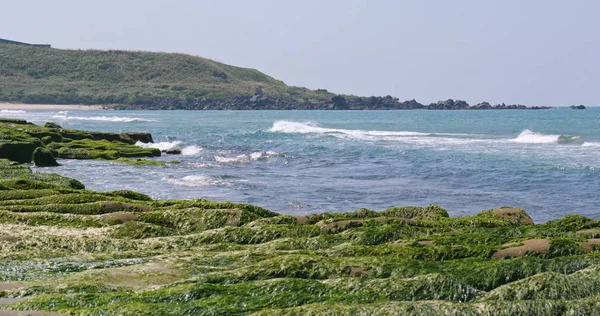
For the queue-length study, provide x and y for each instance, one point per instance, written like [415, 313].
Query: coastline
[122, 250]
[48, 107]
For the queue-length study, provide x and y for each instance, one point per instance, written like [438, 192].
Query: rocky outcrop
[338, 102]
[43, 157]
[17, 151]
[133, 138]
[577, 107]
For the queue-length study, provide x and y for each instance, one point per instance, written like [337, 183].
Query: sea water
[301, 162]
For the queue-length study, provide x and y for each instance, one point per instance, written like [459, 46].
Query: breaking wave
[191, 150]
[163, 146]
[12, 111]
[306, 128]
[166, 146]
[63, 115]
[195, 181]
[530, 137]
[312, 128]
[259, 155]
[591, 144]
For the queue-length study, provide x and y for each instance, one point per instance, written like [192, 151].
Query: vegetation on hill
[145, 80]
[74, 251]
[53, 76]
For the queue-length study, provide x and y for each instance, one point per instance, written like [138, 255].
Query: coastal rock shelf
[69, 250]
[19, 139]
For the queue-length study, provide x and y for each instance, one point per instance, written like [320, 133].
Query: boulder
[173, 151]
[42, 157]
[52, 125]
[17, 151]
[133, 138]
[515, 216]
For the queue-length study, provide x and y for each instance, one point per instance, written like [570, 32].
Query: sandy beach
[48, 107]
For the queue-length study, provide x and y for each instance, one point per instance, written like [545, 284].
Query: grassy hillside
[53, 76]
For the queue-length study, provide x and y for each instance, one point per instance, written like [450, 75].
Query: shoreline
[48, 107]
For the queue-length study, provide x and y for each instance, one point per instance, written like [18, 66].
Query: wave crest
[591, 144]
[195, 181]
[530, 137]
[289, 127]
[191, 150]
[163, 146]
[12, 111]
[65, 117]
[259, 155]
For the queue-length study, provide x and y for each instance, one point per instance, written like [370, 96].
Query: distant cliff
[145, 80]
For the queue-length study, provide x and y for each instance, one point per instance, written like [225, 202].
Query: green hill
[139, 79]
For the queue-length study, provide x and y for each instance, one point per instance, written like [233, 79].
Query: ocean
[302, 162]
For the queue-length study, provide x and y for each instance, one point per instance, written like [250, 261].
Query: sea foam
[163, 146]
[12, 111]
[195, 181]
[259, 155]
[191, 150]
[312, 128]
[530, 137]
[591, 144]
[64, 116]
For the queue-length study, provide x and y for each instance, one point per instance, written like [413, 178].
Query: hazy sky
[535, 52]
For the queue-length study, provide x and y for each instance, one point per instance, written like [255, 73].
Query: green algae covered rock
[19, 139]
[133, 138]
[72, 251]
[17, 151]
[43, 157]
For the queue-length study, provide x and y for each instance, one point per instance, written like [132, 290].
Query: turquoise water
[300, 162]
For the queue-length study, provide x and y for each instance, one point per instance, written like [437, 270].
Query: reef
[73, 251]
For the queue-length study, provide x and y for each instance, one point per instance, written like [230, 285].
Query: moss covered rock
[17, 151]
[43, 157]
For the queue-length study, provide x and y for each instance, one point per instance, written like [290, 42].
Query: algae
[75, 251]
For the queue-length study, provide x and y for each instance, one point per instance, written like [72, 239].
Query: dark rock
[17, 151]
[52, 125]
[482, 106]
[339, 103]
[43, 157]
[14, 121]
[577, 107]
[133, 138]
[174, 151]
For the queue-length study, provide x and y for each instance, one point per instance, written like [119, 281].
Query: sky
[534, 52]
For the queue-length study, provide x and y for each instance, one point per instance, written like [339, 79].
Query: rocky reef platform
[68, 250]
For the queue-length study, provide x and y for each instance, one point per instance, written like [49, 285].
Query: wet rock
[17, 151]
[133, 138]
[52, 125]
[43, 157]
[173, 151]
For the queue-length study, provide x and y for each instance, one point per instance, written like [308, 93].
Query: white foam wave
[311, 128]
[530, 137]
[191, 150]
[591, 144]
[12, 111]
[194, 181]
[259, 155]
[306, 128]
[163, 146]
[64, 116]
